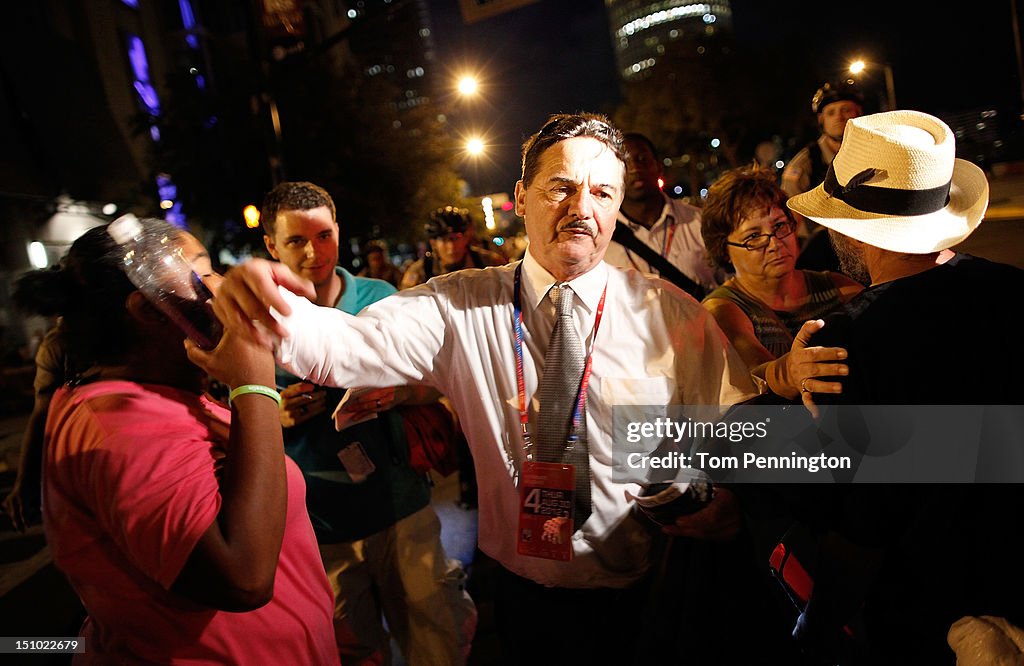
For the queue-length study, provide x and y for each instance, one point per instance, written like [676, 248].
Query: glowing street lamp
[475, 146]
[468, 86]
[858, 66]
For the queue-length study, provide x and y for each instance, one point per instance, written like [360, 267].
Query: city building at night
[394, 40]
[643, 30]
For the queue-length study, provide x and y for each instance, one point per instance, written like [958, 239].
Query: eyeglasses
[760, 241]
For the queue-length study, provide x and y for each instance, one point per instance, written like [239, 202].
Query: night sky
[550, 57]
[555, 56]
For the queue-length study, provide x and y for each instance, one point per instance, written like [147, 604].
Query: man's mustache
[581, 225]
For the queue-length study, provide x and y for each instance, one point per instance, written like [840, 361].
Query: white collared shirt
[655, 346]
[678, 228]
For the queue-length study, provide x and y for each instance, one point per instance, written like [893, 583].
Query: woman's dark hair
[732, 197]
[88, 290]
[562, 126]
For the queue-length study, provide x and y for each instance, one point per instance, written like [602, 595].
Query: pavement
[35, 599]
[1006, 192]
[1001, 235]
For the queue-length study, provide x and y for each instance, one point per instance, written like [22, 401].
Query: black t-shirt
[947, 336]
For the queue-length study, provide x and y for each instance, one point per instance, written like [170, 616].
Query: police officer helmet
[836, 92]
[447, 220]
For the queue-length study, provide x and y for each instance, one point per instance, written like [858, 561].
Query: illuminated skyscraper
[643, 30]
[393, 40]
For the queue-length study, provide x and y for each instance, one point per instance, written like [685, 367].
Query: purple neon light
[140, 66]
[188, 21]
[175, 216]
[167, 190]
[165, 187]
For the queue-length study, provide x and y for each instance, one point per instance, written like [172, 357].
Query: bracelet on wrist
[258, 389]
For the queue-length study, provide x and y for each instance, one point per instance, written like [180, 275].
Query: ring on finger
[803, 385]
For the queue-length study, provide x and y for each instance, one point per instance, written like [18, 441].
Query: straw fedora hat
[896, 184]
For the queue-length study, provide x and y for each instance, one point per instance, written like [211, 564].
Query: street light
[858, 66]
[475, 146]
[467, 86]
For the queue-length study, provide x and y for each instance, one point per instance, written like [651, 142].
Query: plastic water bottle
[153, 262]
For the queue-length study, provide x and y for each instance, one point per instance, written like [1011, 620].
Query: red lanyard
[670, 232]
[581, 396]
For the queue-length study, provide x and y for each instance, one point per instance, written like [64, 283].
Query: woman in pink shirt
[180, 523]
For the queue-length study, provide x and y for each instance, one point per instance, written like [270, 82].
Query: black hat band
[884, 200]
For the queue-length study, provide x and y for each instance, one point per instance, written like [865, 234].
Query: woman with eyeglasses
[769, 305]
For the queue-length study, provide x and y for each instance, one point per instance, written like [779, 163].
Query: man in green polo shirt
[379, 537]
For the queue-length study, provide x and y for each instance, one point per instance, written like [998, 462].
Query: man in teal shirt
[379, 537]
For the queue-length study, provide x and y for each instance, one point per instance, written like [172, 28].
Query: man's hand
[718, 521]
[795, 372]
[362, 401]
[300, 402]
[249, 291]
[361, 404]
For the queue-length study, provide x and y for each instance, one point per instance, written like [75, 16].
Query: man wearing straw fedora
[895, 200]
[931, 329]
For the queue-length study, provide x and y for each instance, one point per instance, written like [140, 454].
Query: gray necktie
[557, 394]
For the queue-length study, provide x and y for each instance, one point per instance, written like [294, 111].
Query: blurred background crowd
[192, 110]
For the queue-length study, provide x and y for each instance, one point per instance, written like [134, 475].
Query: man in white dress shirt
[669, 227]
[655, 346]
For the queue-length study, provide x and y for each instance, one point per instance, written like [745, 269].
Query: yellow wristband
[254, 388]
